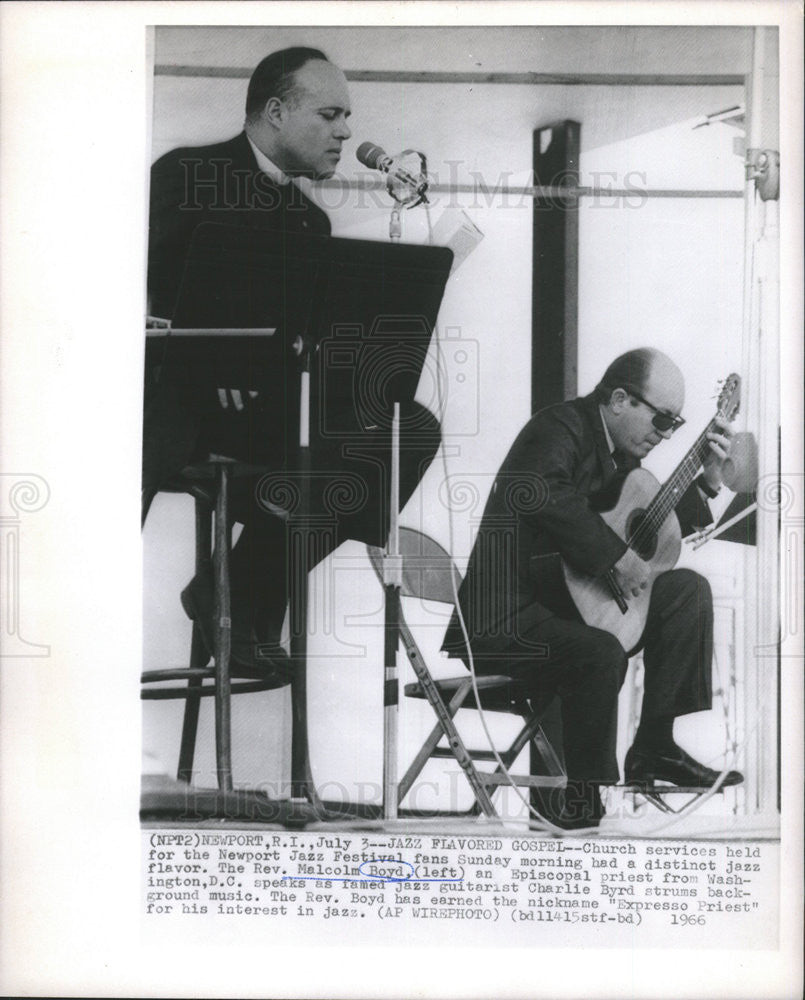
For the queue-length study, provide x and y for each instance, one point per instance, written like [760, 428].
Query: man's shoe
[576, 821]
[644, 767]
[580, 807]
[249, 656]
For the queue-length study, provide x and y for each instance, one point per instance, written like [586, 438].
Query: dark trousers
[349, 499]
[349, 487]
[584, 667]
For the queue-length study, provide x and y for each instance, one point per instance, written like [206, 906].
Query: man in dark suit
[520, 619]
[297, 107]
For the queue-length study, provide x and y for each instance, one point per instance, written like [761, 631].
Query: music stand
[354, 318]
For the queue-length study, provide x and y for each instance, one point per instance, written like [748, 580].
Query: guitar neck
[674, 488]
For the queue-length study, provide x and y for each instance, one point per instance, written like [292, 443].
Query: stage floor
[168, 804]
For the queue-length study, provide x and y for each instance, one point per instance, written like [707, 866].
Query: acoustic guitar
[642, 518]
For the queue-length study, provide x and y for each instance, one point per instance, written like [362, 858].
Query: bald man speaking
[521, 621]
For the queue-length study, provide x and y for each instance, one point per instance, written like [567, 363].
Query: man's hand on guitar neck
[720, 443]
[632, 573]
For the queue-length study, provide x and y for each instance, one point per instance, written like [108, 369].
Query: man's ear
[618, 400]
[274, 112]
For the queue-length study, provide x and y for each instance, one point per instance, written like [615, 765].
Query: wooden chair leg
[198, 652]
[192, 706]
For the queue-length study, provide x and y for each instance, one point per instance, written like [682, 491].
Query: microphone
[376, 158]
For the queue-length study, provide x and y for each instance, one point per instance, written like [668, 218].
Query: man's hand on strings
[720, 443]
[632, 573]
[237, 398]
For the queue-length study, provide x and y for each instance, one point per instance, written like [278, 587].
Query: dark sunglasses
[662, 421]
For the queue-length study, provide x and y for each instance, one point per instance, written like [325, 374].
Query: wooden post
[554, 336]
[554, 305]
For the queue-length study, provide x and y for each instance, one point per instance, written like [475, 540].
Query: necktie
[292, 206]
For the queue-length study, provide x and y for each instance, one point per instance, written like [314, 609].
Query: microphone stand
[704, 536]
[405, 193]
[303, 788]
[392, 585]
[403, 196]
[395, 225]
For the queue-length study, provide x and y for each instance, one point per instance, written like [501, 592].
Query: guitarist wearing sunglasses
[555, 597]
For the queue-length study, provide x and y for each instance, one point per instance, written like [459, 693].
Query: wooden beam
[552, 79]
[488, 194]
[525, 79]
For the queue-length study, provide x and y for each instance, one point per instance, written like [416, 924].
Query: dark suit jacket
[540, 506]
[219, 183]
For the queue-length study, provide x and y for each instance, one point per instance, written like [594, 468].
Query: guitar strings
[668, 495]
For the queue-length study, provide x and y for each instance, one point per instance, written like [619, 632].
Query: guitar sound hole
[643, 542]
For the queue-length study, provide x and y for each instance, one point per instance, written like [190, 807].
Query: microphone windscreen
[740, 468]
[370, 155]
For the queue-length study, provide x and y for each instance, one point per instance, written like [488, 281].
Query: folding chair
[429, 574]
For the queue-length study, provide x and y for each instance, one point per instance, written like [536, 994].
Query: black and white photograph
[402, 542]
